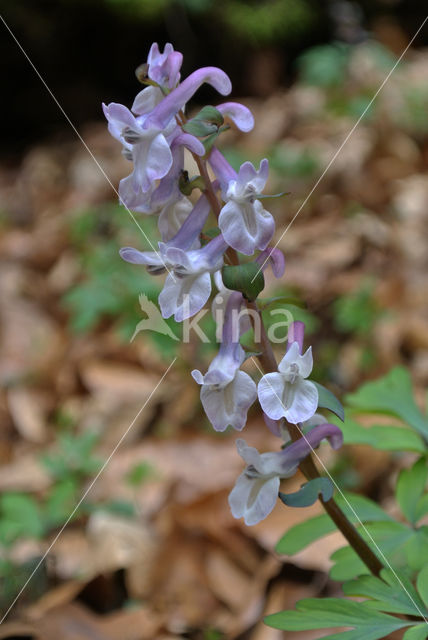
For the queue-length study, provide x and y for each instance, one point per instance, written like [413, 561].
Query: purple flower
[226, 392]
[164, 68]
[287, 393]
[274, 258]
[188, 288]
[240, 115]
[244, 223]
[147, 146]
[256, 490]
[172, 217]
[166, 191]
[185, 238]
[219, 308]
[175, 101]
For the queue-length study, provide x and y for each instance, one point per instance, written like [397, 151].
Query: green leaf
[139, 473]
[19, 518]
[391, 395]
[418, 632]
[327, 400]
[421, 507]
[422, 584]
[61, 500]
[410, 487]
[322, 613]
[390, 594]
[247, 278]
[304, 533]
[389, 537]
[308, 493]
[415, 549]
[384, 438]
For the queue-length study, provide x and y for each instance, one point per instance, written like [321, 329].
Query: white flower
[256, 490]
[244, 223]
[287, 393]
[227, 393]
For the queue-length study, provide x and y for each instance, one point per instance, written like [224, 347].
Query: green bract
[247, 278]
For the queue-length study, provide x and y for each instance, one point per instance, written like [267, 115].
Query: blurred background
[153, 552]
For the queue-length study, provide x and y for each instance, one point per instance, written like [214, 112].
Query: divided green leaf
[355, 507]
[312, 613]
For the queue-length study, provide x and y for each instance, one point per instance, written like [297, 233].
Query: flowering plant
[156, 134]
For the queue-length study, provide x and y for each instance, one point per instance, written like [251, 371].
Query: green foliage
[392, 592]
[315, 613]
[20, 517]
[390, 395]
[61, 501]
[402, 544]
[139, 474]
[327, 400]
[325, 66]
[383, 437]
[73, 457]
[354, 506]
[109, 288]
[309, 493]
[411, 486]
[293, 162]
[266, 21]
[422, 584]
[357, 312]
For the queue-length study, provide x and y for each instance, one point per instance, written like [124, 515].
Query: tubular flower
[227, 393]
[244, 223]
[188, 288]
[185, 238]
[256, 490]
[287, 393]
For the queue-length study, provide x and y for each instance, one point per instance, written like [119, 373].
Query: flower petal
[129, 254]
[271, 392]
[291, 357]
[304, 403]
[262, 500]
[240, 115]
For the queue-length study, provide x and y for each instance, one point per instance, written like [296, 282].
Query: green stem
[268, 362]
[307, 466]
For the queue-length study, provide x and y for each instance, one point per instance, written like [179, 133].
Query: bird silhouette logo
[154, 320]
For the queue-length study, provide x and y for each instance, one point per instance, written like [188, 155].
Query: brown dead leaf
[29, 409]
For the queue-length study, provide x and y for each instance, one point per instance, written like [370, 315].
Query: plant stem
[307, 466]
[268, 362]
[344, 525]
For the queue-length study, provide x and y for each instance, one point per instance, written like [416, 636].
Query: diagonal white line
[87, 491]
[349, 505]
[343, 144]
[42, 80]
